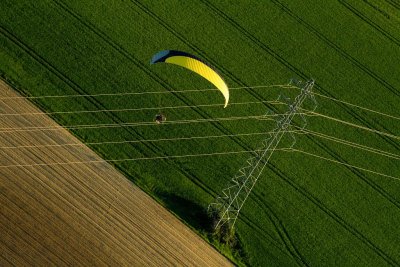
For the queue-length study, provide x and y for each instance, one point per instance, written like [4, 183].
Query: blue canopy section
[164, 54]
[160, 56]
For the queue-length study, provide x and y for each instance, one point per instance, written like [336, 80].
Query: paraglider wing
[194, 64]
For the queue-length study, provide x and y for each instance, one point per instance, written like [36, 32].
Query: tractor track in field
[333, 215]
[338, 49]
[298, 72]
[285, 239]
[197, 50]
[279, 245]
[237, 80]
[166, 26]
[155, 77]
[118, 48]
[282, 232]
[78, 89]
[192, 177]
[393, 3]
[324, 147]
[293, 68]
[371, 23]
[343, 53]
[149, 72]
[358, 173]
[357, 117]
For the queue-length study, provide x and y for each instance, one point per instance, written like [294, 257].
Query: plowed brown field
[79, 214]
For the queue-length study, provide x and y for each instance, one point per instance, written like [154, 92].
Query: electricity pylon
[227, 206]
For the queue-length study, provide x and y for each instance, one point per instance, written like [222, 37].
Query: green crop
[304, 210]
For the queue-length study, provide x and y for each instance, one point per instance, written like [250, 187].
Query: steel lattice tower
[227, 206]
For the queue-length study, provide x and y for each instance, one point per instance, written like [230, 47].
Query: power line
[141, 93]
[137, 109]
[357, 106]
[352, 144]
[126, 160]
[128, 124]
[353, 105]
[310, 113]
[188, 91]
[299, 131]
[343, 163]
[138, 141]
[133, 124]
[190, 155]
[354, 125]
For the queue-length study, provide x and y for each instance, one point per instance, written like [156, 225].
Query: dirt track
[79, 214]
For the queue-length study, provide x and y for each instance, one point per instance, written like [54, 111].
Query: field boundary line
[370, 22]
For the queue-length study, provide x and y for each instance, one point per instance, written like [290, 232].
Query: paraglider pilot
[160, 118]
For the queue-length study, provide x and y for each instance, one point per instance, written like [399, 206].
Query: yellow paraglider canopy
[194, 64]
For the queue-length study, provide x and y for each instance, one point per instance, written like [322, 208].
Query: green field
[304, 210]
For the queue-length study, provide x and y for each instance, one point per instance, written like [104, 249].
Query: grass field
[304, 210]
